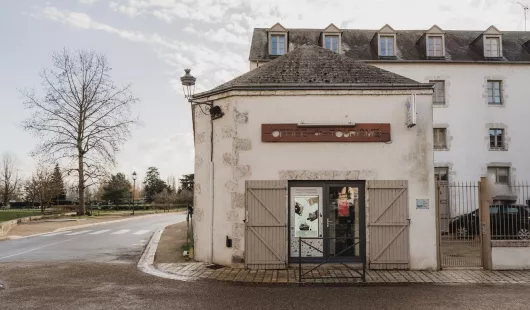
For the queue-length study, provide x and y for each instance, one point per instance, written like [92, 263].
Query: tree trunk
[81, 187]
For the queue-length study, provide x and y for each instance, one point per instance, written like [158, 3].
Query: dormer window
[435, 46]
[277, 44]
[492, 47]
[384, 42]
[330, 38]
[331, 42]
[386, 46]
[277, 40]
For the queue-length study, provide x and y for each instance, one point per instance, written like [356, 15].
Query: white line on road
[99, 232]
[44, 246]
[141, 232]
[56, 233]
[78, 232]
[119, 232]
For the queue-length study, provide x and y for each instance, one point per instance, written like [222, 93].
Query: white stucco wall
[468, 116]
[505, 258]
[240, 155]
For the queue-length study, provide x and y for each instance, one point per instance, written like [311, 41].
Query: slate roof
[356, 44]
[313, 67]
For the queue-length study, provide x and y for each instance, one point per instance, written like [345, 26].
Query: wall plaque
[363, 132]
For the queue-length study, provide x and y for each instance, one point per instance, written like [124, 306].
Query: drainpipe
[211, 193]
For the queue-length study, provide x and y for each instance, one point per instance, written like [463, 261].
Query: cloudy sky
[150, 42]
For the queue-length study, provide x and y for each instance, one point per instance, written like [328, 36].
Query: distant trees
[82, 116]
[57, 179]
[42, 188]
[153, 184]
[117, 189]
[9, 178]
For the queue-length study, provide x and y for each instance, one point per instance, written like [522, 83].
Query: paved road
[113, 242]
[121, 286]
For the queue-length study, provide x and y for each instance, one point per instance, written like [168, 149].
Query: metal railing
[335, 275]
[460, 242]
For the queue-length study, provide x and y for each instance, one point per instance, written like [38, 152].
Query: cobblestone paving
[344, 275]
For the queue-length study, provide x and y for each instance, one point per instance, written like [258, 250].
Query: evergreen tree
[117, 189]
[58, 184]
[153, 184]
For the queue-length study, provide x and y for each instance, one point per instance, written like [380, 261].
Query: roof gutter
[265, 87]
[482, 62]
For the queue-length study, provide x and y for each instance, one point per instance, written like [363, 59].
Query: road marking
[119, 232]
[99, 232]
[57, 233]
[44, 246]
[141, 232]
[78, 232]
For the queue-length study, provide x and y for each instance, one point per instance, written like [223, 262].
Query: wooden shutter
[266, 224]
[388, 224]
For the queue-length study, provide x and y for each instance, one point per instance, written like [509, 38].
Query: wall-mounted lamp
[188, 86]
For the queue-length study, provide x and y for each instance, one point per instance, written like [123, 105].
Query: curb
[145, 264]
[81, 226]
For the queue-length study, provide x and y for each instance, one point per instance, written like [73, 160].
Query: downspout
[211, 192]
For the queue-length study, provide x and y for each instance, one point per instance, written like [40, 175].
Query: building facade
[481, 88]
[315, 156]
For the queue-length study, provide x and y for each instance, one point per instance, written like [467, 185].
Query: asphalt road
[122, 286]
[120, 242]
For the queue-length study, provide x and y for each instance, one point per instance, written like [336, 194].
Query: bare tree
[83, 118]
[43, 187]
[9, 178]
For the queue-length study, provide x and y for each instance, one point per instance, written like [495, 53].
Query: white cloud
[89, 2]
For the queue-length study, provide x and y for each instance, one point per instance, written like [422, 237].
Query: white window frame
[440, 138]
[277, 34]
[497, 175]
[496, 138]
[332, 35]
[489, 51]
[434, 52]
[437, 98]
[387, 36]
[437, 174]
[491, 90]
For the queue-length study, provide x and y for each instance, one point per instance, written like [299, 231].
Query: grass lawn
[7, 215]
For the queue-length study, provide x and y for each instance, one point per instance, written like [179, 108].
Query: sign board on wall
[364, 132]
[411, 111]
[422, 203]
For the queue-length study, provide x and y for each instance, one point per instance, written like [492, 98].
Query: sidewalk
[193, 271]
[196, 271]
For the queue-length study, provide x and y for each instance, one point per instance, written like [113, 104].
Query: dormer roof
[386, 29]
[492, 30]
[332, 28]
[435, 30]
[277, 28]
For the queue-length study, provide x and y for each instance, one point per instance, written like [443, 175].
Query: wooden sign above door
[364, 132]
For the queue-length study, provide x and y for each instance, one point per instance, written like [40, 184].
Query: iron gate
[460, 240]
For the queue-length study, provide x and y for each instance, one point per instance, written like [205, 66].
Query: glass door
[344, 222]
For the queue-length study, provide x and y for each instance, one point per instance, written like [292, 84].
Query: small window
[500, 174]
[277, 44]
[492, 47]
[386, 46]
[439, 92]
[494, 210]
[331, 42]
[494, 92]
[441, 173]
[440, 140]
[496, 138]
[435, 46]
[511, 210]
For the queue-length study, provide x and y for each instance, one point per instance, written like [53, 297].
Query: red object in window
[344, 209]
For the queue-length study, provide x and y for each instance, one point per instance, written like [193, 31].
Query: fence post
[485, 225]
[438, 228]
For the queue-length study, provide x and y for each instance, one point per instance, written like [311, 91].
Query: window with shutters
[440, 138]
[439, 92]
[496, 139]
[494, 92]
[492, 47]
[435, 46]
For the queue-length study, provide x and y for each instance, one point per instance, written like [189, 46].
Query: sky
[149, 43]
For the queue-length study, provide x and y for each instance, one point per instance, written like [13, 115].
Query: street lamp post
[134, 188]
